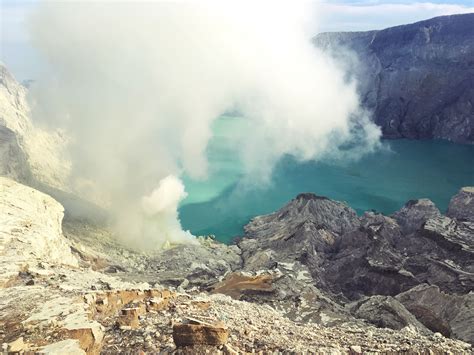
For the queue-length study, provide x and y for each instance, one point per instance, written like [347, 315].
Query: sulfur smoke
[138, 84]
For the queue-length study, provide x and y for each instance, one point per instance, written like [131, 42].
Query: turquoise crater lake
[382, 181]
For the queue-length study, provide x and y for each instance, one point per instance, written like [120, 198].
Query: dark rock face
[461, 205]
[451, 315]
[414, 214]
[371, 264]
[386, 312]
[417, 79]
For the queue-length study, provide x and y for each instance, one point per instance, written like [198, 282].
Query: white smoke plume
[138, 84]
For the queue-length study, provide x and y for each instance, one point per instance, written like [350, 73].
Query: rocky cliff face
[417, 79]
[378, 266]
[27, 152]
[30, 230]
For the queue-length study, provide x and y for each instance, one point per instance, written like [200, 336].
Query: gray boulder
[461, 205]
[414, 214]
[451, 315]
[386, 312]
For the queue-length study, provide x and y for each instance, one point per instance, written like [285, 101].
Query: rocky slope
[27, 152]
[381, 268]
[417, 79]
[312, 276]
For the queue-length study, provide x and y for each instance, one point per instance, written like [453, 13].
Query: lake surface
[382, 181]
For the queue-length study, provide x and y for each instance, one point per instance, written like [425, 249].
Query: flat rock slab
[199, 334]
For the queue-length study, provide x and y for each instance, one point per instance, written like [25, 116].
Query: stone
[228, 350]
[30, 226]
[414, 214]
[451, 233]
[355, 350]
[17, 345]
[238, 284]
[450, 315]
[386, 312]
[157, 304]
[28, 154]
[461, 205]
[129, 317]
[68, 346]
[199, 334]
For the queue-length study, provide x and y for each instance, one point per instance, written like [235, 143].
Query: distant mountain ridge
[417, 79]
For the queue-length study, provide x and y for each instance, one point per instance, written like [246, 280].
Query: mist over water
[137, 87]
[383, 181]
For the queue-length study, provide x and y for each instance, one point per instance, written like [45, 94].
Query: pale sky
[21, 58]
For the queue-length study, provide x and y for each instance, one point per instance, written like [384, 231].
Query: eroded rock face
[29, 154]
[461, 205]
[451, 315]
[30, 230]
[418, 79]
[414, 214]
[386, 312]
[305, 229]
[199, 333]
[370, 261]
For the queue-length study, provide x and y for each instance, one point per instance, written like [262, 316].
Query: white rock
[30, 230]
[43, 151]
[69, 346]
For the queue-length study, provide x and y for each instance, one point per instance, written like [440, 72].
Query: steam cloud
[138, 85]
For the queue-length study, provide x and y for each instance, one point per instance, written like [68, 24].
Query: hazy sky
[340, 15]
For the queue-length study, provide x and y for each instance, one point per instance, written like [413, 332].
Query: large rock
[199, 333]
[451, 315]
[414, 214]
[336, 217]
[451, 233]
[30, 230]
[304, 229]
[367, 256]
[28, 153]
[386, 312]
[461, 205]
[367, 261]
[418, 79]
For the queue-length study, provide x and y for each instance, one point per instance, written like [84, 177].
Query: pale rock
[30, 230]
[68, 346]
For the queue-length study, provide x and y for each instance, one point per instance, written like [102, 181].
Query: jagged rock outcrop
[418, 79]
[302, 230]
[28, 153]
[461, 205]
[368, 259]
[386, 312]
[13, 161]
[30, 231]
[414, 214]
[451, 315]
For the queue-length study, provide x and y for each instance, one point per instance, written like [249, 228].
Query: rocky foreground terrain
[417, 79]
[311, 277]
